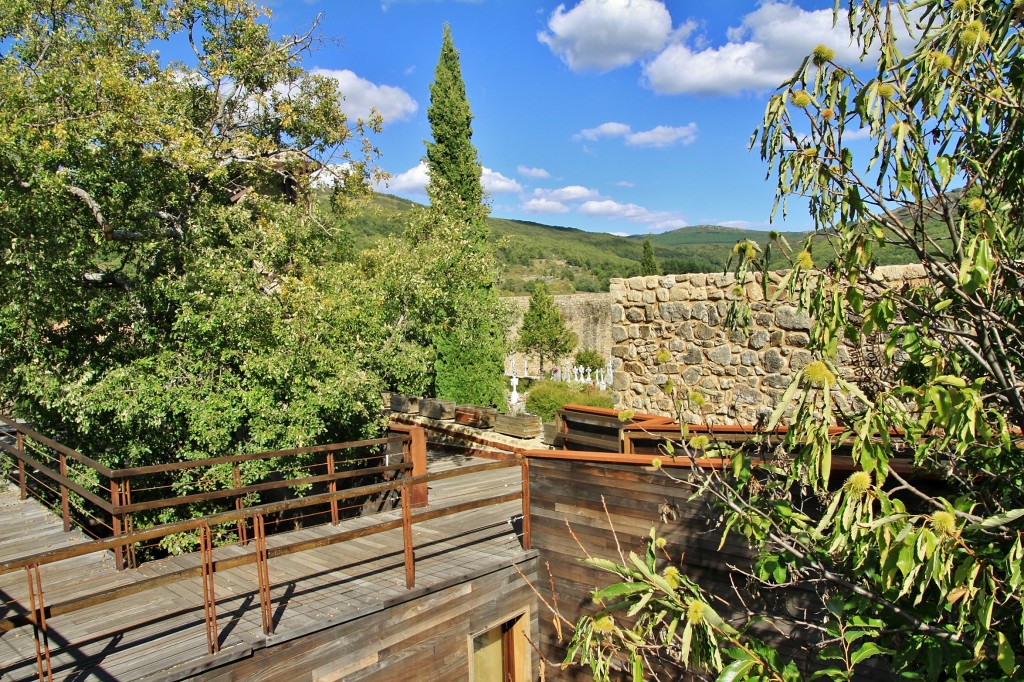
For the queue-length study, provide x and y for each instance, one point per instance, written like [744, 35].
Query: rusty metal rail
[126, 485]
[209, 565]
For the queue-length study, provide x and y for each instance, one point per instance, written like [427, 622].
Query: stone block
[791, 318]
[722, 355]
[758, 339]
[773, 361]
[800, 359]
[704, 332]
[797, 339]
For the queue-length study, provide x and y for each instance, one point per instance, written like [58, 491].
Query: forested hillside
[568, 259]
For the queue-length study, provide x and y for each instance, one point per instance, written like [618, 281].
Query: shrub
[546, 397]
[590, 359]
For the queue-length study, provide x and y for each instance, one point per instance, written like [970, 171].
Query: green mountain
[571, 260]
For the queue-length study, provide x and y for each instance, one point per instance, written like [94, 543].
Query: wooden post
[332, 486]
[64, 502]
[115, 522]
[236, 481]
[129, 525]
[418, 452]
[209, 598]
[410, 559]
[38, 619]
[22, 482]
[527, 540]
[414, 451]
[259, 533]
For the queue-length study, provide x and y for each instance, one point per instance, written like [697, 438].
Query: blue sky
[622, 116]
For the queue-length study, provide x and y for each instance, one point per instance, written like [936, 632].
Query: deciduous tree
[915, 581]
[167, 289]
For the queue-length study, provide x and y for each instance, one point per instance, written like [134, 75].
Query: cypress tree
[648, 263]
[451, 158]
[471, 343]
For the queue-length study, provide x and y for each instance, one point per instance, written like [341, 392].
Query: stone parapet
[674, 327]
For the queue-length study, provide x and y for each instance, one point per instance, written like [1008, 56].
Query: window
[502, 653]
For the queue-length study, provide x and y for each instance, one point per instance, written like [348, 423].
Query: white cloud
[541, 205]
[567, 193]
[360, 96]
[659, 136]
[600, 35]
[557, 200]
[655, 220]
[536, 173]
[610, 129]
[763, 51]
[496, 183]
[412, 181]
[415, 180]
[663, 136]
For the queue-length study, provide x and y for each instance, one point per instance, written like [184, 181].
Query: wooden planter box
[520, 426]
[405, 404]
[476, 416]
[550, 431]
[437, 409]
[385, 397]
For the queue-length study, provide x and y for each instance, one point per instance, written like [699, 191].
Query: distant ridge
[569, 259]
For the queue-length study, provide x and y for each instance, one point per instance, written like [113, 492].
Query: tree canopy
[648, 263]
[471, 339]
[911, 580]
[171, 289]
[544, 332]
[452, 160]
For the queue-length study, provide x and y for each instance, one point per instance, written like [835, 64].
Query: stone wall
[741, 373]
[589, 315]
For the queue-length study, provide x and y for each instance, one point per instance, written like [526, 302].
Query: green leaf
[618, 590]
[737, 670]
[1004, 654]
[998, 521]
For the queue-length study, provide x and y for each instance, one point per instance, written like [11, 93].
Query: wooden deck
[159, 634]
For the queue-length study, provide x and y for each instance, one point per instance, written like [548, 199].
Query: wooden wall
[637, 498]
[426, 639]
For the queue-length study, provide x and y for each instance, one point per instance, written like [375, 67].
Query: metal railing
[123, 537]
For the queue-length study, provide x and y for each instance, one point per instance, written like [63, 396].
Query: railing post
[332, 486]
[259, 533]
[115, 521]
[410, 559]
[209, 598]
[64, 505]
[22, 482]
[417, 451]
[236, 480]
[527, 539]
[38, 618]
[129, 524]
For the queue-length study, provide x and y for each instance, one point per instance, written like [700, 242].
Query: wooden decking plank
[311, 590]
